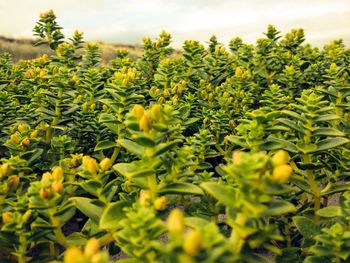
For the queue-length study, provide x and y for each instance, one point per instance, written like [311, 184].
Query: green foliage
[211, 155]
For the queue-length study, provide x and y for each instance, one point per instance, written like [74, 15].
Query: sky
[127, 21]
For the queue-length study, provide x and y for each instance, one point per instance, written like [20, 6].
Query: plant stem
[235, 238]
[106, 239]
[314, 187]
[57, 228]
[22, 248]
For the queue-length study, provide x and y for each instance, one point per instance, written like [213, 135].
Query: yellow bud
[86, 160]
[193, 242]
[92, 166]
[42, 74]
[145, 196]
[44, 193]
[12, 182]
[166, 92]
[105, 164]
[74, 162]
[156, 112]
[160, 203]
[176, 221]
[138, 111]
[282, 173]
[236, 157]
[93, 106]
[238, 72]
[22, 127]
[7, 217]
[145, 124]
[279, 158]
[57, 187]
[30, 73]
[4, 169]
[92, 247]
[57, 173]
[26, 216]
[46, 178]
[34, 134]
[73, 255]
[26, 141]
[14, 138]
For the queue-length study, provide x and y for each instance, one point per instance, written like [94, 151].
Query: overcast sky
[127, 21]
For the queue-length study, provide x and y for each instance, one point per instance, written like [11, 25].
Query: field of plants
[219, 154]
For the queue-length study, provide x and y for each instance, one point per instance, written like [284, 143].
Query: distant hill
[24, 49]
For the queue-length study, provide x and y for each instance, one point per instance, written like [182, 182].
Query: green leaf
[316, 259]
[181, 188]
[196, 222]
[327, 118]
[330, 143]
[103, 145]
[279, 207]
[307, 227]
[113, 214]
[87, 208]
[294, 115]
[289, 255]
[336, 188]
[292, 125]
[328, 132]
[131, 147]
[224, 194]
[130, 170]
[330, 211]
[144, 140]
[164, 147]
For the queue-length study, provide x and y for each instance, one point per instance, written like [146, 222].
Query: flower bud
[14, 138]
[26, 216]
[46, 178]
[236, 157]
[7, 217]
[160, 203]
[238, 72]
[26, 141]
[105, 164]
[145, 196]
[92, 247]
[144, 123]
[12, 182]
[34, 134]
[42, 74]
[92, 166]
[138, 111]
[44, 193]
[176, 221]
[156, 112]
[57, 173]
[22, 127]
[4, 169]
[279, 158]
[73, 255]
[193, 242]
[282, 173]
[57, 187]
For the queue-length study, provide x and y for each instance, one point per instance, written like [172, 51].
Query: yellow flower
[72, 255]
[57, 173]
[279, 158]
[92, 247]
[105, 164]
[193, 242]
[160, 203]
[282, 173]
[176, 221]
